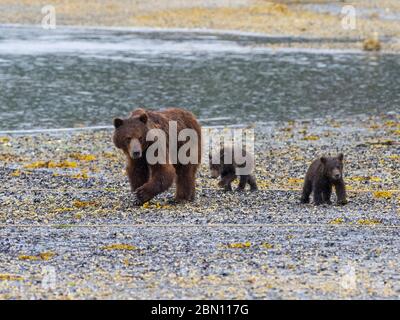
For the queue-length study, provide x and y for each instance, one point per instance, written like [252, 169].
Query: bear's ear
[340, 156]
[143, 117]
[323, 160]
[118, 123]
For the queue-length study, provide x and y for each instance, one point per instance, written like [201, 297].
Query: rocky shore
[65, 211]
[321, 20]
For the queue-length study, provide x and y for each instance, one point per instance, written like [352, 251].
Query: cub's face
[130, 135]
[215, 170]
[333, 167]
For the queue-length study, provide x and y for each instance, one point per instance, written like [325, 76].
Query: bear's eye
[127, 140]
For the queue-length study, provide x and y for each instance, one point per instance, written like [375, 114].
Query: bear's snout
[135, 149]
[136, 155]
[214, 173]
[336, 174]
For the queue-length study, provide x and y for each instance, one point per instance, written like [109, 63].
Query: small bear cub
[225, 164]
[321, 176]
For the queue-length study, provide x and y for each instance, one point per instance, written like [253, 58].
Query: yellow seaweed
[119, 246]
[383, 194]
[239, 245]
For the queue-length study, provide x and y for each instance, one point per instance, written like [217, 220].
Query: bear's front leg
[161, 178]
[326, 194]
[226, 180]
[318, 189]
[242, 183]
[252, 182]
[138, 172]
[307, 189]
[318, 198]
[341, 192]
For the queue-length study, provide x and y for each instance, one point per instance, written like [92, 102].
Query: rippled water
[80, 77]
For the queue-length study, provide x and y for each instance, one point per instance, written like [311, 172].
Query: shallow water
[336, 9]
[82, 77]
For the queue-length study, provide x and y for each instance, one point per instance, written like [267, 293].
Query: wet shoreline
[250, 82]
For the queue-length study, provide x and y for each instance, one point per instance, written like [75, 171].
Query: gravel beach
[68, 230]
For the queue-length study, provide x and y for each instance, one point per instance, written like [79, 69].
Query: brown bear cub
[227, 169]
[323, 174]
[149, 178]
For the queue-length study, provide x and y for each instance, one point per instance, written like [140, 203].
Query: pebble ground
[68, 230]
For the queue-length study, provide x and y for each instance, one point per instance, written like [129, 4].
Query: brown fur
[147, 180]
[227, 172]
[323, 174]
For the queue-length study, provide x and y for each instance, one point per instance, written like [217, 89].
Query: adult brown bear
[134, 136]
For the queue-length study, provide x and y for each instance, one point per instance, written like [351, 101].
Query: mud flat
[321, 20]
[67, 229]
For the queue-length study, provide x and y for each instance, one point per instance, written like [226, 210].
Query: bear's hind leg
[185, 182]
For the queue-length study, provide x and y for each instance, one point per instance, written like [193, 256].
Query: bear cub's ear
[340, 156]
[118, 123]
[143, 117]
[323, 160]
